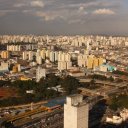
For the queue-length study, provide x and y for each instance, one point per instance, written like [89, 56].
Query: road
[24, 105]
[122, 84]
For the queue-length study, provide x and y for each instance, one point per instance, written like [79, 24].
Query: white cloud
[104, 11]
[48, 16]
[81, 8]
[4, 12]
[26, 11]
[18, 5]
[37, 3]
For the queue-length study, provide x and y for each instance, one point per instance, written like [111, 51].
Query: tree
[52, 80]
[120, 101]
[5, 83]
[70, 84]
[24, 85]
[42, 91]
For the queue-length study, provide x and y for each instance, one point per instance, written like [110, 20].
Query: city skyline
[67, 17]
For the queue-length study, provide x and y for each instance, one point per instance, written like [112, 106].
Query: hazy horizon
[64, 17]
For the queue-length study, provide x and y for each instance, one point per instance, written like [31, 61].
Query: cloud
[81, 8]
[84, 15]
[48, 16]
[76, 21]
[70, 16]
[18, 5]
[4, 12]
[37, 3]
[103, 12]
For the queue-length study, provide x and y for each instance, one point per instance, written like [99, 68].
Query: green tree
[70, 84]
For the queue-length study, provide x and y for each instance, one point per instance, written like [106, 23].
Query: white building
[39, 59]
[4, 66]
[40, 72]
[19, 67]
[52, 56]
[76, 112]
[25, 56]
[82, 59]
[47, 53]
[30, 55]
[42, 53]
[56, 56]
[62, 65]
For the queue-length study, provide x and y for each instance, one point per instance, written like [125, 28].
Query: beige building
[82, 60]
[76, 112]
[101, 61]
[95, 62]
[90, 62]
[5, 54]
[42, 53]
[3, 66]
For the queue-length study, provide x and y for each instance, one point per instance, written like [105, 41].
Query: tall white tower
[40, 72]
[76, 112]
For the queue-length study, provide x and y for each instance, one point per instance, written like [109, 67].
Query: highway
[26, 114]
[24, 105]
[46, 120]
[122, 84]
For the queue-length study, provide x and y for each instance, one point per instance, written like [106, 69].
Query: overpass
[122, 84]
[52, 119]
[26, 114]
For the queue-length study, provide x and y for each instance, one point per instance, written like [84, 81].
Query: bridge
[50, 120]
[26, 114]
[122, 84]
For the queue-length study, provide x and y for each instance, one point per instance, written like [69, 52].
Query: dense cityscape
[63, 63]
[37, 73]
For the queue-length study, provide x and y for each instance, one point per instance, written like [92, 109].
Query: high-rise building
[56, 56]
[101, 61]
[90, 62]
[40, 72]
[82, 60]
[95, 62]
[4, 66]
[16, 68]
[69, 65]
[39, 59]
[25, 57]
[67, 57]
[52, 56]
[60, 56]
[38, 52]
[5, 54]
[48, 53]
[19, 67]
[76, 112]
[42, 53]
[30, 55]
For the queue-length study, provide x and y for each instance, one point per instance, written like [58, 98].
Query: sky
[64, 17]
